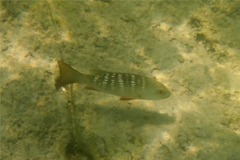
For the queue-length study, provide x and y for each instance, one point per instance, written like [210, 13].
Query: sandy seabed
[192, 47]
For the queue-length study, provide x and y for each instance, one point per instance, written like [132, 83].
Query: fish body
[126, 85]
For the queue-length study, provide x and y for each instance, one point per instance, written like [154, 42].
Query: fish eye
[159, 91]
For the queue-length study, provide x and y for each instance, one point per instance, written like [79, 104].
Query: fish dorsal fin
[126, 98]
[96, 71]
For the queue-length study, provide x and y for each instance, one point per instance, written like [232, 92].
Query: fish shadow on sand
[137, 116]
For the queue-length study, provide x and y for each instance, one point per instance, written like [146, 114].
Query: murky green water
[192, 47]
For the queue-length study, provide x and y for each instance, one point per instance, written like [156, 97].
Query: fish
[127, 86]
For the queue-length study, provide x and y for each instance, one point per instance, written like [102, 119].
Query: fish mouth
[166, 94]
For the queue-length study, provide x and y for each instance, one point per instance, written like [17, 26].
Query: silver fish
[126, 85]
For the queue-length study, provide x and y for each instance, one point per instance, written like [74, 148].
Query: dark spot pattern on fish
[119, 81]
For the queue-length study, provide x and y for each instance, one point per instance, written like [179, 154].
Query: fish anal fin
[126, 98]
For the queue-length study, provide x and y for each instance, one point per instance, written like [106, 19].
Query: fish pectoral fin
[126, 98]
[90, 88]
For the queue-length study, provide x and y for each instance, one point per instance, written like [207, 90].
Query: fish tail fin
[68, 75]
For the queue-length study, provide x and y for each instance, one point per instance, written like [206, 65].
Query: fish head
[161, 91]
[155, 91]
